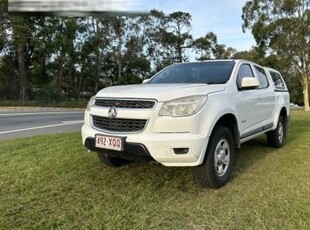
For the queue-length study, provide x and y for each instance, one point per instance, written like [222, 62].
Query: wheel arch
[229, 120]
[283, 113]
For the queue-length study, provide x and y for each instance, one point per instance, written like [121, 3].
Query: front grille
[132, 104]
[119, 124]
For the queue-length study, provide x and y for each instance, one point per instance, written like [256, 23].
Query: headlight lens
[90, 103]
[183, 107]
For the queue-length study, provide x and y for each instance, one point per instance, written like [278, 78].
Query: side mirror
[249, 83]
[145, 81]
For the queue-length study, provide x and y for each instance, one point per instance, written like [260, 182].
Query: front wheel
[219, 159]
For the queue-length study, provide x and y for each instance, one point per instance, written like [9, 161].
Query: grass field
[52, 182]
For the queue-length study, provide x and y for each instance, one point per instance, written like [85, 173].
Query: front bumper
[160, 147]
[133, 151]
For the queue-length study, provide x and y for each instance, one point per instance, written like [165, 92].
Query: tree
[165, 37]
[149, 31]
[252, 55]
[208, 48]
[9, 77]
[22, 29]
[221, 52]
[281, 27]
[5, 23]
[52, 57]
[177, 33]
[16, 35]
[204, 45]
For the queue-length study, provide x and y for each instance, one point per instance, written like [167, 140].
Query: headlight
[183, 107]
[90, 103]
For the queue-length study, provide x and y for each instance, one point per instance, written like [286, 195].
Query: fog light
[180, 150]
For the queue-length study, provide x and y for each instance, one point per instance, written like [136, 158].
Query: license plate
[109, 142]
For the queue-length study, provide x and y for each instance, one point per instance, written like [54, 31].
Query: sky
[223, 17]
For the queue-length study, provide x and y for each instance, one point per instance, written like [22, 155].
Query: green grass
[52, 182]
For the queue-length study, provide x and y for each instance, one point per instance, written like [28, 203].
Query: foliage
[68, 57]
[281, 27]
[81, 55]
[44, 185]
[208, 48]
[204, 45]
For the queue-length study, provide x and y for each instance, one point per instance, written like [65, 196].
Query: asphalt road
[31, 123]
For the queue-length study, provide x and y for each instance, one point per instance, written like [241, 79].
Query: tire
[112, 162]
[219, 159]
[276, 137]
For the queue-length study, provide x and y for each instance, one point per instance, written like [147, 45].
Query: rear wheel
[113, 162]
[275, 138]
[218, 163]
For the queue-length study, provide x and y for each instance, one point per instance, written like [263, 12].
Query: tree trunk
[80, 84]
[22, 72]
[96, 87]
[305, 86]
[76, 85]
[59, 76]
[179, 51]
[98, 71]
[119, 73]
[98, 54]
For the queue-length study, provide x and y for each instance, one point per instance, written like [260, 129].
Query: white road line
[41, 113]
[72, 122]
[38, 127]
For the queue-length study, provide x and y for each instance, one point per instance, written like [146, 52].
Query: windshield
[217, 72]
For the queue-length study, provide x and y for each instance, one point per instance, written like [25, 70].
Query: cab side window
[244, 71]
[277, 80]
[262, 78]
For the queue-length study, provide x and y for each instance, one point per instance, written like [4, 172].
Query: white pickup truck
[189, 114]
